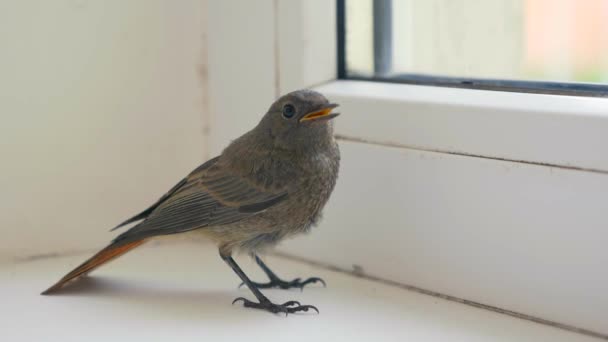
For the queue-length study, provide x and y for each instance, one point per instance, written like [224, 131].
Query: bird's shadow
[143, 299]
[155, 302]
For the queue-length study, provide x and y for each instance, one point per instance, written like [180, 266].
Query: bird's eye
[289, 111]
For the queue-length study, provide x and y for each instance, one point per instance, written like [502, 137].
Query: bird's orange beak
[321, 114]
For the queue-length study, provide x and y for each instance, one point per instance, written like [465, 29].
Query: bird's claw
[291, 306]
[312, 280]
[281, 284]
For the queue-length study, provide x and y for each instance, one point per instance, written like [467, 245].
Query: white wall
[101, 111]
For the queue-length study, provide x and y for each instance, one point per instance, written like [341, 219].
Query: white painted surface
[242, 71]
[306, 43]
[184, 293]
[101, 104]
[259, 50]
[563, 130]
[521, 237]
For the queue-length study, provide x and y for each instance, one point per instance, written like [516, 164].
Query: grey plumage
[270, 183]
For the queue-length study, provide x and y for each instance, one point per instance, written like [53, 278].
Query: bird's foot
[291, 306]
[285, 285]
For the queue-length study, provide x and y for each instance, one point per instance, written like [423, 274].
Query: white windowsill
[167, 292]
[562, 131]
[490, 196]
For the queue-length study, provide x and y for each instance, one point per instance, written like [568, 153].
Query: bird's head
[299, 119]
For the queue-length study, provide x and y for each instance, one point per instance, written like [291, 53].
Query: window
[527, 45]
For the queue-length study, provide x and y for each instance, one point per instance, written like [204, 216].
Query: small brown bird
[269, 184]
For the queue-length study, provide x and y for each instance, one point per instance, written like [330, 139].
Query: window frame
[532, 148]
[381, 26]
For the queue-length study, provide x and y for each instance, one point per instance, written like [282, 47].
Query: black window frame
[382, 48]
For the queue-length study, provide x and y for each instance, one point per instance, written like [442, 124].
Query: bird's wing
[210, 195]
[173, 190]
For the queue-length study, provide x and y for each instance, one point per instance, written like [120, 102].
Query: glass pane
[539, 40]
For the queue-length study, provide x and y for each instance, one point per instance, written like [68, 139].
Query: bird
[269, 184]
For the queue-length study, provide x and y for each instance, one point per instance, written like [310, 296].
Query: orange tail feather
[105, 255]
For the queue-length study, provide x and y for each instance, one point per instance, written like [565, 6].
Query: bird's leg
[263, 302]
[276, 282]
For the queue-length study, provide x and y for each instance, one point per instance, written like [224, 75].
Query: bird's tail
[107, 254]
